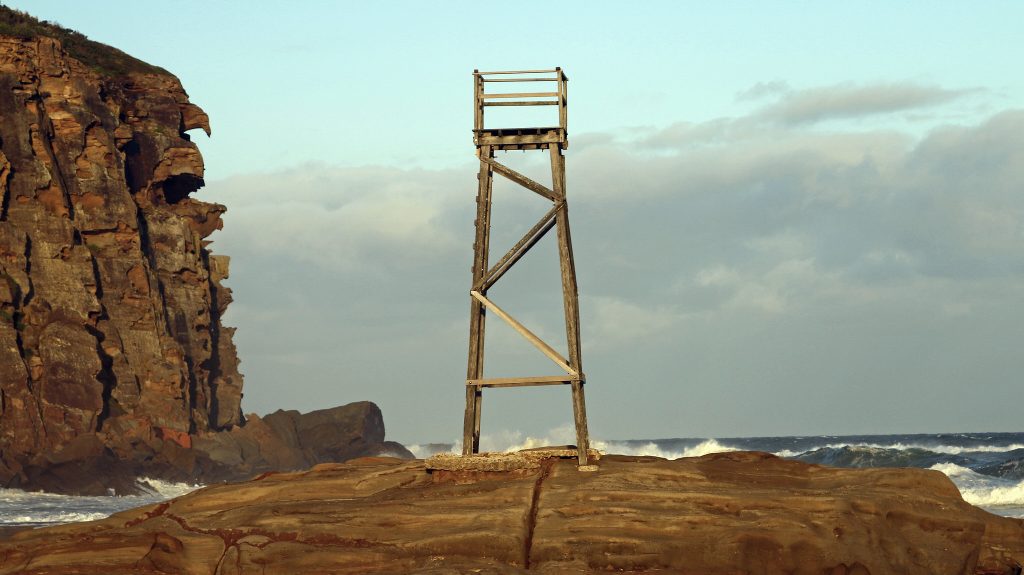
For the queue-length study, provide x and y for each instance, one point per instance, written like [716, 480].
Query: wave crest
[653, 449]
[983, 490]
[37, 509]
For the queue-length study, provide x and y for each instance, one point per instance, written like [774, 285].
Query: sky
[789, 218]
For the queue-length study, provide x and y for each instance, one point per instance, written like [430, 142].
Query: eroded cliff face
[110, 299]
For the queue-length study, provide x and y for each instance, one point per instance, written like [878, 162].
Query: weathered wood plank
[570, 297]
[522, 381]
[579, 412]
[522, 95]
[526, 333]
[516, 72]
[538, 103]
[528, 79]
[535, 130]
[529, 239]
[563, 102]
[484, 138]
[520, 179]
[478, 104]
[477, 316]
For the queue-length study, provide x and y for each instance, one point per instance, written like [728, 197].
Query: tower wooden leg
[579, 412]
[468, 429]
[478, 401]
[477, 313]
[570, 298]
[471, 427]
[474, 394]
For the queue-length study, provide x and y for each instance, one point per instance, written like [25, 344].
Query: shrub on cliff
[106, 60]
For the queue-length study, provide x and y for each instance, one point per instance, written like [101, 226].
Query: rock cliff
[111, 301]
[733, 513]
[113, 357]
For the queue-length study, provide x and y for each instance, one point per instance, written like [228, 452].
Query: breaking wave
[943, 449]
[652, 448]
[872, 456]
[38, 509]
[508, 441]
[989, 492]
[987, 468]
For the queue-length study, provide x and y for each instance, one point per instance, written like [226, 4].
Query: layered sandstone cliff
[733, 513]
[110, 300]
[114, 363]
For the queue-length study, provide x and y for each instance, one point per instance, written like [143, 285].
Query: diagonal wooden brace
[529, 239]
[526, 333]
[521, 179]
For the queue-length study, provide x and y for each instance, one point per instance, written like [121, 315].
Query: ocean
[987, 467]
[28, 509]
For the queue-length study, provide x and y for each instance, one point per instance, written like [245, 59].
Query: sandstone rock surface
[733, 513]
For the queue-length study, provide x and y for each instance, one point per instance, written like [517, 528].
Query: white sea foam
[944, 449]
[651, 448]
[38, 508]
[515, 441]
[166, 489]
[984, 490]
[419, 451]
[507, 441]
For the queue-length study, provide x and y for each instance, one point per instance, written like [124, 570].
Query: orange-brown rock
[113, 359]
[109, 304]
[733, 514]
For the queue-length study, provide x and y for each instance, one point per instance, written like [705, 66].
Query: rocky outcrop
[111, 301]
[734, 513]
[289, 440]
[284, 440]
[113, 357]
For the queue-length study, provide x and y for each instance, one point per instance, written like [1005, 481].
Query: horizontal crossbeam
[516, 72]
[523, 381]
[520, 79]
[520, 179]
[526, 103]
[526, 333]
[523, 95]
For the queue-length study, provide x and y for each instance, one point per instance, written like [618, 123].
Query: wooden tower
[545, 139]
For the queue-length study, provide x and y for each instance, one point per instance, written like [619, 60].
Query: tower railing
[517, 90]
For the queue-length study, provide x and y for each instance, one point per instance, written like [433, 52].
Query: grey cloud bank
[738, 277]
[853, 101]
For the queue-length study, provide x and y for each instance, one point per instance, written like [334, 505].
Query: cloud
[770, 272]
[781, 107]
[846, 101]
[763, 90]
[615, 321]
[359, 219]
[949, 202]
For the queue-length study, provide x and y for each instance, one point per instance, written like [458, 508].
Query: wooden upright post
[477, 313]
[570, 299]
[554, 140]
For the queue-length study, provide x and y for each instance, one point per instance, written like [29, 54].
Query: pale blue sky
[790, 218]
[342, 82]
